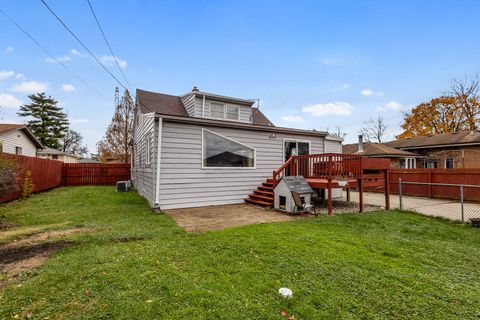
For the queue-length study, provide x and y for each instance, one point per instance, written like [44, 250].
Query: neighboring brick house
[398, 158]
[454, 150]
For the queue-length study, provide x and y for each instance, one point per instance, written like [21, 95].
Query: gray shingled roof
[461, 137]
[377, 150]
[297, 184]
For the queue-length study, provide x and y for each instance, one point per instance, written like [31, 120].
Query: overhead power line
[50, 54]
[108, 44]
[83, 45]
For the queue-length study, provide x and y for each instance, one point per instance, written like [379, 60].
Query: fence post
[400, 197]
[461, 204]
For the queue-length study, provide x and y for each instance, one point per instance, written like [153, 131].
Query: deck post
[387, 190]
[348, 194]
[360, 195]
[329, 188]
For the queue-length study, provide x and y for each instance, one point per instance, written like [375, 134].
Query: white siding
[183, 182]
[143, 174]
[333, 146]
[17, 138]
[189, 104]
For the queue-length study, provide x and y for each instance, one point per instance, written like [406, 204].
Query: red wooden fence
[46, 174]
[75, 174]
[440, 176]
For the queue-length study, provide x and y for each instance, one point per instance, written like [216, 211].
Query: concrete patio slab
[224, 216]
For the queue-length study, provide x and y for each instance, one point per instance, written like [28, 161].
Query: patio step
[263, 196]
[260, 197]
[259, 202]
[264, 193]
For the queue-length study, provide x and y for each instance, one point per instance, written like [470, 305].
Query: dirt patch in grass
[15, 260]
[128, 238]
[44, 236]
[4, 225]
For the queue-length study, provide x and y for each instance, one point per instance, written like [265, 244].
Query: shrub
[9, 174]
[27, 185]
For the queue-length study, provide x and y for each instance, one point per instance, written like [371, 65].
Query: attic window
[224, 111]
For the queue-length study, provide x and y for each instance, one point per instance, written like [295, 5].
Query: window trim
[297, 141]
[227, 168]
[225, 106]
[409, 160]
[17, 149]
[148, 147]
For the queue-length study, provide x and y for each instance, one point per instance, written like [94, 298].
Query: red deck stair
[263, 196]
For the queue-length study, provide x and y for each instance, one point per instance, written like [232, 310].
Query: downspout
[156, 207]
[203, 107]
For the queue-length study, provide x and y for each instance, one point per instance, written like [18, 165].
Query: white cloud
[345, 86]
[5, 74]
[75, 52]
[110, 61]
[294, 119]
[393, 106]
[19, 76]
[9, 101]
[369, 93]
[78, 120]
[31, 87]
[68, 87]
[8, 49]
[337, 108]
[61, 59]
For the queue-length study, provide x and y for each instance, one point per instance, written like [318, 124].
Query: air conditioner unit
[123, 186]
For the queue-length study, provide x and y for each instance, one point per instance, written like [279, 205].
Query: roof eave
[230, 124]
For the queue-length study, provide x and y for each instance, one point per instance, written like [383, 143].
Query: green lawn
[369, 266]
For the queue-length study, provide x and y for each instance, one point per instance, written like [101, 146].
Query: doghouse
[283, 192]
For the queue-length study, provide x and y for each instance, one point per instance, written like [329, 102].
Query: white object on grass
[285, 292]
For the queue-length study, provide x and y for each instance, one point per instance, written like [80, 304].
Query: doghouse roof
[297, 184]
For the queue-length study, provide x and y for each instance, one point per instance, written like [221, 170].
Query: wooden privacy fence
[75, 174]
[45, 174]
[464, 177]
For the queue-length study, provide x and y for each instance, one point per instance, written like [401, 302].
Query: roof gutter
[439, 146]
[239, 125]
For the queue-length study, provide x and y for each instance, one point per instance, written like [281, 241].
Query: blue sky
[313, 64]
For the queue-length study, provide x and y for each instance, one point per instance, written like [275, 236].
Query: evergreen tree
[49, 122]
[115, 143]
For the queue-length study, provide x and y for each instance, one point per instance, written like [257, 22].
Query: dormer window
[224, 111]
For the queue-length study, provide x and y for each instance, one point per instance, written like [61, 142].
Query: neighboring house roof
[377, 150]
[438, 140]
[47, 151]
[6, 127]
[172, 108]
[88, 161]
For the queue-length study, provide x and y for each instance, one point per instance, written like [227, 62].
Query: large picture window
[222, 152]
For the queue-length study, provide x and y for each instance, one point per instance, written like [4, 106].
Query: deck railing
[322, 166]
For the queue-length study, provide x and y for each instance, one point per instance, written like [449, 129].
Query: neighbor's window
[18, 150]
[430, 164]
[217, 110]
[449, 163]
[55, 156]
[222, 152]
[408, 163]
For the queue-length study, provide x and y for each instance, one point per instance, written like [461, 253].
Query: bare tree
[467, 94]
[115, 143]
[374, 129]
[338, 132]
[72, 142]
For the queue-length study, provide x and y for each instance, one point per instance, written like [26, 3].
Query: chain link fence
[459, 202]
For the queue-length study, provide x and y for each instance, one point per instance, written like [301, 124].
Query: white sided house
[203, 149]
[18, 139]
